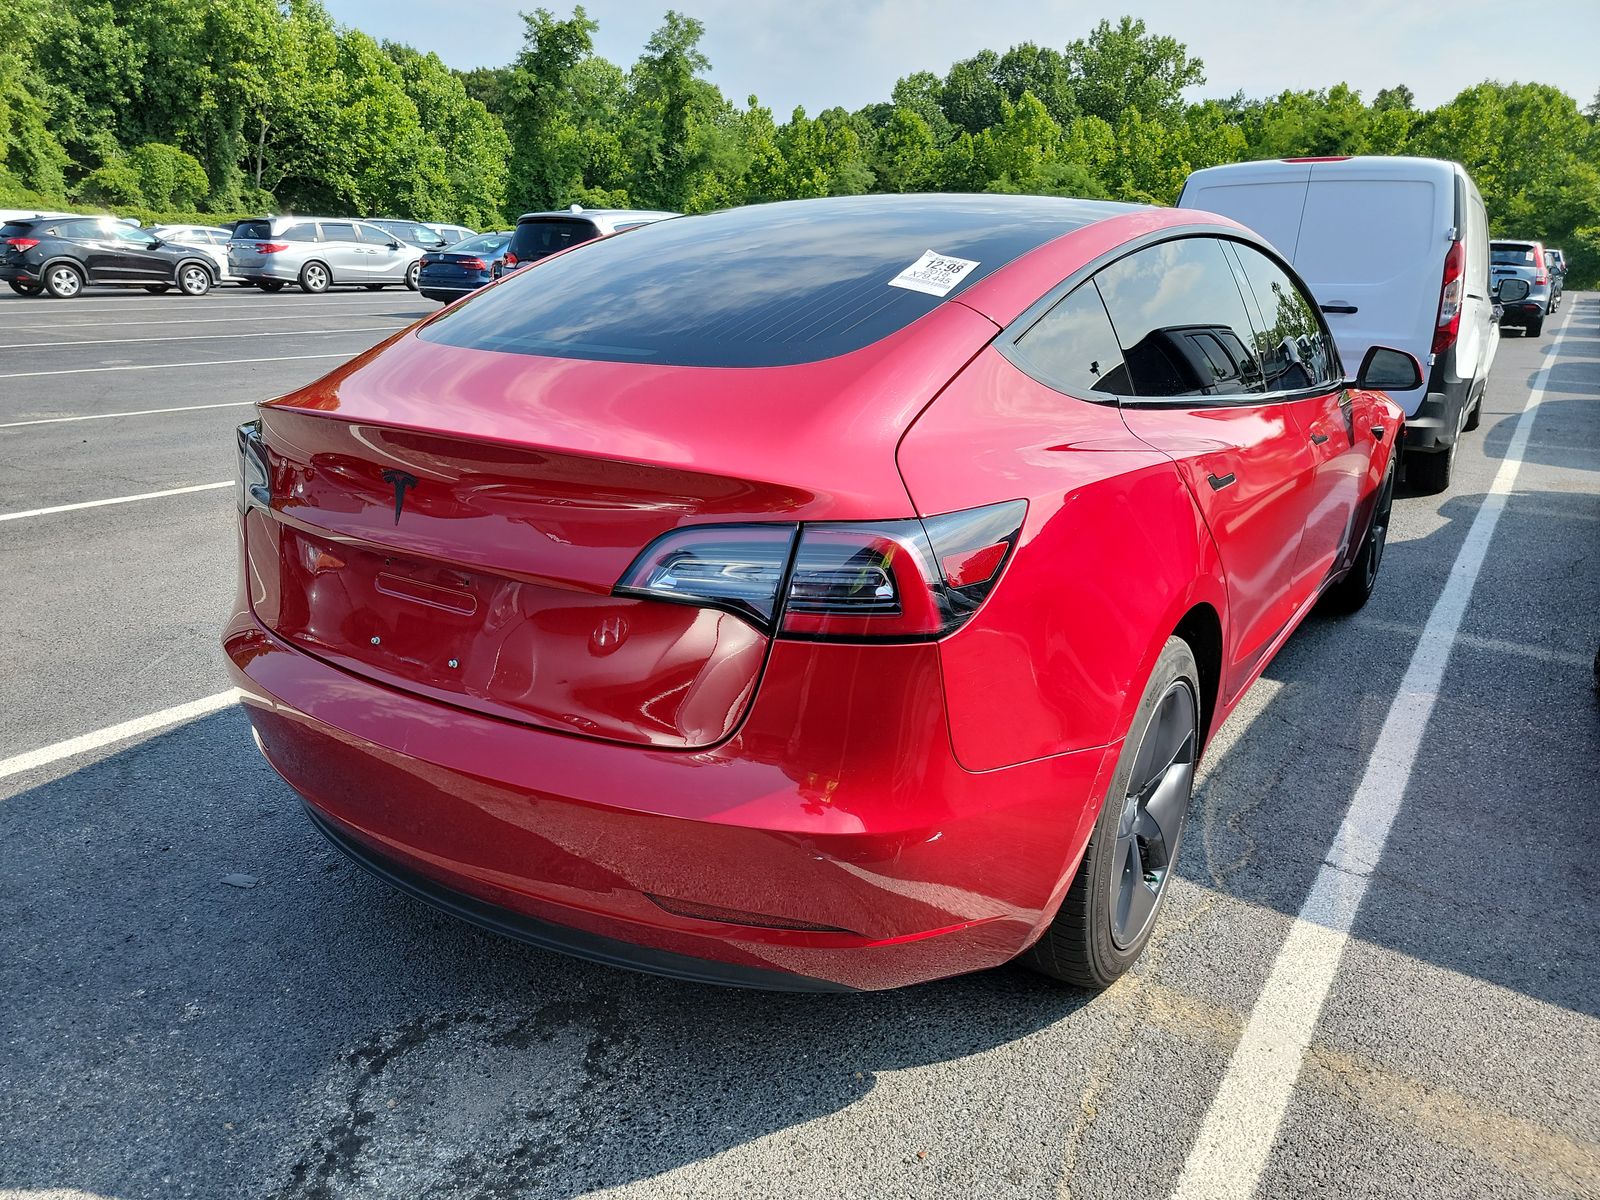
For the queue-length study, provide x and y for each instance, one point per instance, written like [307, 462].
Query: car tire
[1111, 907]
[1535, 327]
[1475, 417]
[24, 289]
[155, 289]
[314, 278]
[270, 285]
[414, 275]
[193, 279]
[1430, 472]
[63, 281]
[373, 287]
[1355, 589]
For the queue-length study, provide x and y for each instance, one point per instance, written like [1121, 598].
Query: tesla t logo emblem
[400, 481]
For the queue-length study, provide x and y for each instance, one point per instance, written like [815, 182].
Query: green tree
[168, 177]
[1124, 66]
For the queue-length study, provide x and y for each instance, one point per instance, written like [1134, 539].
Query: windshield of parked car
[765, 285]
[1511, 256]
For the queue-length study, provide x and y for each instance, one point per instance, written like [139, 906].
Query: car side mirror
[1511, 290]
[154, 242]
[1389, 370]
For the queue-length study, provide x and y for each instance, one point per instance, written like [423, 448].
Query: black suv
[60, 254]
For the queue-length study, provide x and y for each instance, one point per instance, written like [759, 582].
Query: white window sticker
[933, 273]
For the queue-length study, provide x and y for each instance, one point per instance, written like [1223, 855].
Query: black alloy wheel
[1111, 906]
[1152, 814]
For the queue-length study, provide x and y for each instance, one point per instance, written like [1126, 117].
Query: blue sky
[850, 52]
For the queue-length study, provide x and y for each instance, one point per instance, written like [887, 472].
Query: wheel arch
[310, 262]
[205, 264]
[1201, 627]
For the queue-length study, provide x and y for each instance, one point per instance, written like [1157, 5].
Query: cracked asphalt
[164, 1033]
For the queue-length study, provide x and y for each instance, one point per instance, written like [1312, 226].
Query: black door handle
[1377, 432]
[1218, 482]
[1318, 438]
[1347, 309]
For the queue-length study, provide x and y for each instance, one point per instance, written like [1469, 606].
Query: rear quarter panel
[1112, 555]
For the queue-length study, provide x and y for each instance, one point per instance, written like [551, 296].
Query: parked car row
[59, 254]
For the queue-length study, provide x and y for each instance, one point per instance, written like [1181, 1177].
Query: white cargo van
[1396, 251]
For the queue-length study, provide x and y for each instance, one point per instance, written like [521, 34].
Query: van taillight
[271, 247]
[901, 580]
[1448, 327]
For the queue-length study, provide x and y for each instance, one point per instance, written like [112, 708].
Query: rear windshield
[484, 243]
[768, 285]
[1511, 256]
[533, 240]
[16, 228]
[253, 229]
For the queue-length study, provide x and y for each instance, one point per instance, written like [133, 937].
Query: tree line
[227, 107]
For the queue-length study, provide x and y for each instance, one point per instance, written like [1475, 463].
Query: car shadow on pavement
[316, 1034]
[1489, 871]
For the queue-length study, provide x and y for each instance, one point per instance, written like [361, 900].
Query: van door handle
[1347, 309]
[1318, 438]
[1218, 482]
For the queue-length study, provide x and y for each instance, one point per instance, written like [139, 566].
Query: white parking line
[1230, 1152]
[250, 319]
[198, 337]
[61, 508]
[142, 412]
[215, 362]
[18, 764]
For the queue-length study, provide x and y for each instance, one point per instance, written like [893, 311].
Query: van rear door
[1371, 246]
[1266, 197]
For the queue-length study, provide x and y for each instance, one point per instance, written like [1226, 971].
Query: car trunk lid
[452, 522]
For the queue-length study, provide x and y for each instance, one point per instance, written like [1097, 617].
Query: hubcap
[193, 280]
[1153, 812]
[65, 281]
[316, 277]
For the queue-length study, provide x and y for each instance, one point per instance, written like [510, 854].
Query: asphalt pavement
[165, 1033]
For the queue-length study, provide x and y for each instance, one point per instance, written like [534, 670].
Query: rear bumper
[282, 272]
[1524, 312]
[12, 273]
[445, 291]
[832, 845]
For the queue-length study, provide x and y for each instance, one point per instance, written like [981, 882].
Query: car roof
[599, 213]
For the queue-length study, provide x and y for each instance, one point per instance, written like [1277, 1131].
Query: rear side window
[1073, 348]
[304, 232]
[534, 240]
[1181, 321]
[254, 230]
[1293, 349]
[338, 231]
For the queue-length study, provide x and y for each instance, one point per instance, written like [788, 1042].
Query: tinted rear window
[768, 285]
[260, 230]
[533, 240]
[484, 243]
[1511, 256]
[16, 229]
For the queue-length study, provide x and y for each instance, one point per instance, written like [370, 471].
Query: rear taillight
[510, 261]
[21, 243]
[271, 247]
[254, 483]
[903, 580]
[1448, 327]
[474, 264]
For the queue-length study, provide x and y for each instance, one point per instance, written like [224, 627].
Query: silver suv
[1512, 259]
[320, 252]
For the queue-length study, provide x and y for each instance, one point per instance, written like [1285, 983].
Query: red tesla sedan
[821, 595]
